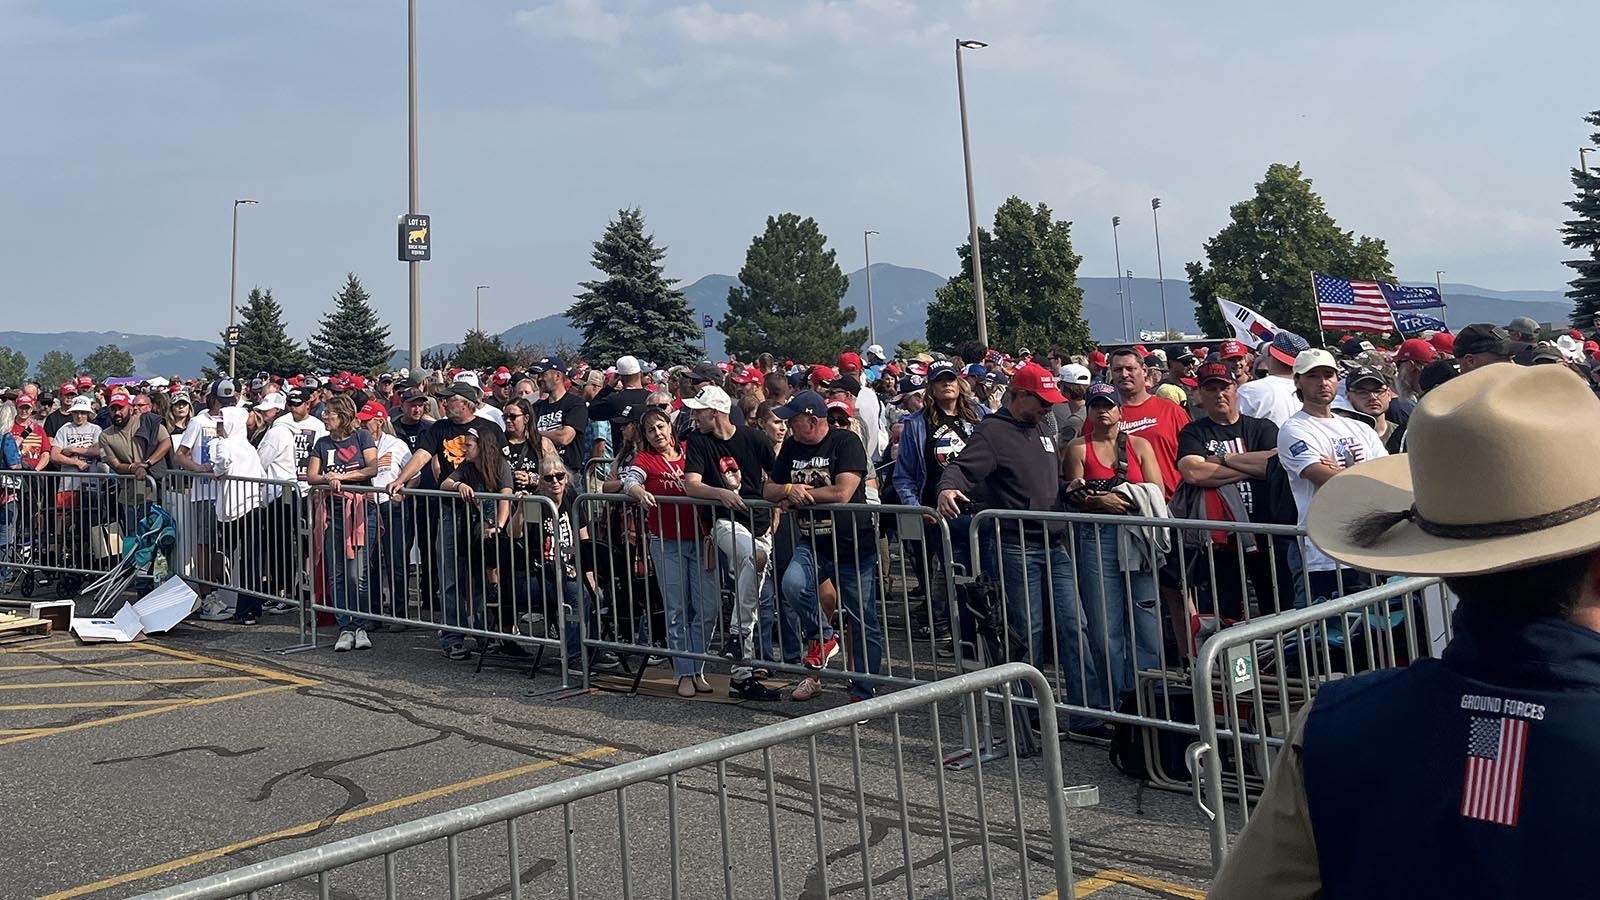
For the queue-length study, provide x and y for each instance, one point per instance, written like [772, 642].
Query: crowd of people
[756, 480]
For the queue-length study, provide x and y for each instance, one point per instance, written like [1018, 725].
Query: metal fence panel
[795, 806]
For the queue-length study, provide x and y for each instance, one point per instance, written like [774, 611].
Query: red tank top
[1095, 470]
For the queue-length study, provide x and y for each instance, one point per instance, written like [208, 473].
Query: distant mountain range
[900, 294]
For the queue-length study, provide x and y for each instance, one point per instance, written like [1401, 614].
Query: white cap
[272, 401]
[469, 377]
[876, 350]
[81, 404]
[1072, 373]
[1315, 358]
[406, 373]
[711, 397]
[628, 365]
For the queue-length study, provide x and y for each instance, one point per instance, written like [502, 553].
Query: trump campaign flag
[1351, 305]
[1248, 325]
[1416, 323]
[1406, 296]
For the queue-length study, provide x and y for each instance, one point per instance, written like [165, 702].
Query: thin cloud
[581, 20]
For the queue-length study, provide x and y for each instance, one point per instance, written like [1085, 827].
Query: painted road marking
[1099, 881]
[111, 682]
[305, 828]
[34, 667]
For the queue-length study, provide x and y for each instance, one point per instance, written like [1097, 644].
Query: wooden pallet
[16, 629]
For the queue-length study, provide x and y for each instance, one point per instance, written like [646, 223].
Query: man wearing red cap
[1233, 354]
[1444, 342]
[1097, 366]
[1410, 358]
[868, 408]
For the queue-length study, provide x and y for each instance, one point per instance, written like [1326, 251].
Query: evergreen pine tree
[1583, 234]
[788, 300]
[351, 337]
[637, 309]
[264, 342]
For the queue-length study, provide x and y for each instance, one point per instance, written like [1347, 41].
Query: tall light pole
[477, 308]
[411, 165]
[1438, 283]
[1116, 221]
[972, 202]
[872, 313]
[1161, 282]
[1132, 318]
[233, 282]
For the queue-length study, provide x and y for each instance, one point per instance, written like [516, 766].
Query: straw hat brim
[1383, 487]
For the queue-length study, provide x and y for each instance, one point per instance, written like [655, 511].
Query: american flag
[1351, 305]
[1496, 749]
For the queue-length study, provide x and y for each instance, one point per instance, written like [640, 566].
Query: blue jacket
[911, 461]
[1470, 776]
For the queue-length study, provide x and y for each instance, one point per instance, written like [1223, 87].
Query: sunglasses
[513, 418]
[553, 479]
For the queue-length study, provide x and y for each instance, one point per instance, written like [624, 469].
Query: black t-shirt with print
[739, 463]
[819, 465]
[446, 442]
[943, 444]
[341, 456]
[570, 410]
[523, 457]
[1205, 437]
[410, 433]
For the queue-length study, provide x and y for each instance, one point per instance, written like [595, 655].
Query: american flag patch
[1496, 750]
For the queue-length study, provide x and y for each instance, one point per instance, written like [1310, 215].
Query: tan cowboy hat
[1499, 475]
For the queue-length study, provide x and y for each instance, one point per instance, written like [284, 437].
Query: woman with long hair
[484, 472]
[179, 411]
[523, 445]
[389, 567]
[347, 521]
[678, 547]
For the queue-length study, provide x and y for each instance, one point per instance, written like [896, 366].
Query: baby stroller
[146, 558]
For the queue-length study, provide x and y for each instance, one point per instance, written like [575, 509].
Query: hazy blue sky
[1448, 129]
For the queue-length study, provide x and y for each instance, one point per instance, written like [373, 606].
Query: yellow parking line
[170, 706]
[105, 682]
[19, 730]
[83, 704]
[34, 667]
[1099, 881]
[305, 828]
[61, 647]
[257, 671]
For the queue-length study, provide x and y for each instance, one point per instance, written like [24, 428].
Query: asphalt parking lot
[136, 766]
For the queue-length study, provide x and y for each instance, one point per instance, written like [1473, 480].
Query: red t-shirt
[1158, 421]
[664, 478]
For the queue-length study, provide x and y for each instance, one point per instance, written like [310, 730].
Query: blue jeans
[399, 530]
[1108, 614]
[856, 578]
[349, 588]
[690, 593]
[1026, 574]
[460, 592]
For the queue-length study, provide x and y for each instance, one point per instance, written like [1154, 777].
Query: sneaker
[751, 689]
[245, 619]
[605, 661]
[819, 652]
[280, 607]
[458, 651]
[347, 639]
[733, 647]
[214, 610]
[808, 688]
[362, 641]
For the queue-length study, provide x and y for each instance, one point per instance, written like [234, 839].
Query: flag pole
[1322, 340]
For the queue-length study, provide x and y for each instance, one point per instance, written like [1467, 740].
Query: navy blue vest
[1477, 775]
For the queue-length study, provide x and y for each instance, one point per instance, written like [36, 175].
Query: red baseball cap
[1232, 349]
[1139, 349]
[24, 400]
[1591, 347]
[823, 374]
[1097, 358]
[502, 375]
[1575, 334]
[841, 403]
[359, 382]
[850, 362]
[370, 410]
[1033, 378]
[85, 381]
[69, 388]
[120, 398]
[1444, 342]
[1201, 352]
[1416, 350]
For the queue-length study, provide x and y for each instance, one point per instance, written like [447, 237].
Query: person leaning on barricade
[345, 522]
[1010, 464]
[1479, 763]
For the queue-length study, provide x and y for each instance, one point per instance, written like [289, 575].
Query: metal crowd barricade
[836, 783]
[906, 630]
[425, 558]
[60, 530]
[1252, 679]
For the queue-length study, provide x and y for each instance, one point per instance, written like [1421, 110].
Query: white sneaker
[213, 609]
[362, 641]
[347, 639]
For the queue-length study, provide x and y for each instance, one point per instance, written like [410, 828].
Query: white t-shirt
[398, 454]
[1270, 398]
[85, 435]
[1306, 439]
[492, 414]
[197, 437]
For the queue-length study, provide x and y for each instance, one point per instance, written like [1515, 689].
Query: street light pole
[411, 165]
[1132, 316]
[477, 308]
[872, 313]
[1438, 284]
[1116, 221]
[972, 202]
[1161, 282]
[233, 283]
[1583, 158]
